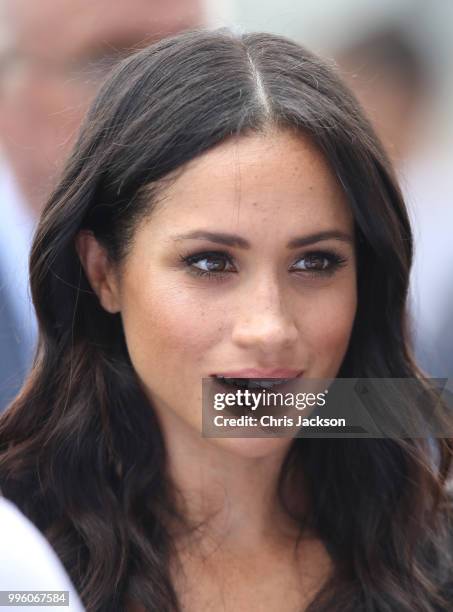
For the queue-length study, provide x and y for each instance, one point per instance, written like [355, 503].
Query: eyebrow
[233, 240]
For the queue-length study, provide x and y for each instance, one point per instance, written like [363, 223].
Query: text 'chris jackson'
[271, 421]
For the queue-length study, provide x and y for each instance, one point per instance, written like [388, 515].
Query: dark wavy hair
[81, 452]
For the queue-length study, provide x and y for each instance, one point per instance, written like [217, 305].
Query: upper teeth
[253, 383]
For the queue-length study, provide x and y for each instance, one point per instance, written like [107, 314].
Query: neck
[231, 496]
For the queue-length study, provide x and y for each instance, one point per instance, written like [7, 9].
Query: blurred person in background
[391, 80]
[391, 76]
[53, 56]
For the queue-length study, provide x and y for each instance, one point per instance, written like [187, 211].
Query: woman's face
[248, 262]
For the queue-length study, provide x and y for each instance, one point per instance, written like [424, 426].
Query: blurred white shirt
[28, 562]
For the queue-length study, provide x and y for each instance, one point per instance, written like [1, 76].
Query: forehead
[68, 27]
[280, 177]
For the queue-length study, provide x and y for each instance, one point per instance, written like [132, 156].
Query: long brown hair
[81, 452]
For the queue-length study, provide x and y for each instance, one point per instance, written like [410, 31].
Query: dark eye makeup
[217, 265]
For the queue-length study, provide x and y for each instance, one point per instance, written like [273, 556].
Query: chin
[253, 448]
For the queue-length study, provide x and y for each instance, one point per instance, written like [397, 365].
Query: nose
[263, 321]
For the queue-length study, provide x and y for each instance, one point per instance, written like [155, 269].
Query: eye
[211, 264]
[319, 263]
[216, 265]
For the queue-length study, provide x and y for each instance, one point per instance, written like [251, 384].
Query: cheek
[168, 329]
[326, 326]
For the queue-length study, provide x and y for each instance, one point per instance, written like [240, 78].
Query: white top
[28, 562]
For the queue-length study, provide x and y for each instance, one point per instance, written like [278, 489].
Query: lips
[256, 383]
[254, 378]
[261, 373]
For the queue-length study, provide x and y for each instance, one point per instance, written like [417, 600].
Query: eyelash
[335, 262]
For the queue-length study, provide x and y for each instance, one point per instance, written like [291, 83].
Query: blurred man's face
[60, 52]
